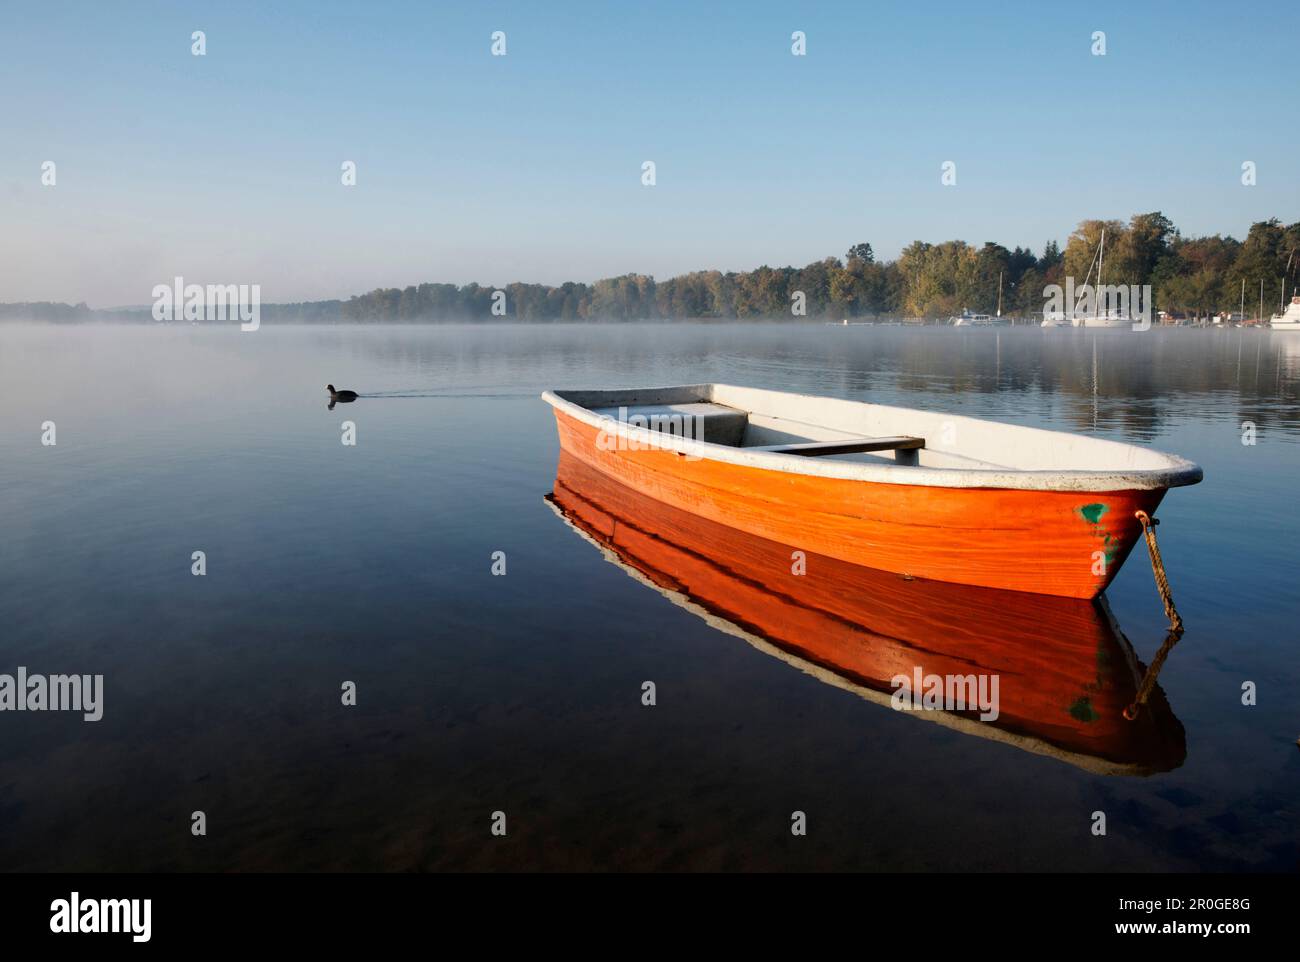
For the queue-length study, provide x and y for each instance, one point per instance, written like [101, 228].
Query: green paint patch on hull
[1111, 546]
[1092, 512]
[1083, 711]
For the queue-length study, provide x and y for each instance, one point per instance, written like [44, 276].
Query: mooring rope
[1175, 621]
[1149, 679]
[1158, 569]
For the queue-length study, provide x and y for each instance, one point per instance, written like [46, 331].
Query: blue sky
[226, 168]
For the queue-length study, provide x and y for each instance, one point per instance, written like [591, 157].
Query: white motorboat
[967, 319]
[1288, 320]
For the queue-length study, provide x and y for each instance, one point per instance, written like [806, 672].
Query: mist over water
[476, 693]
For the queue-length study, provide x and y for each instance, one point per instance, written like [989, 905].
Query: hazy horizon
[225, 168]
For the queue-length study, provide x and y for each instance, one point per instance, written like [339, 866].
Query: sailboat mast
[999, 293]
[1101, 254]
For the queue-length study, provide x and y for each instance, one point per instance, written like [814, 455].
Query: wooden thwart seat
[844, 446]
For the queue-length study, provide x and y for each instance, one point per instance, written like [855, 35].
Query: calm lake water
[478, 693]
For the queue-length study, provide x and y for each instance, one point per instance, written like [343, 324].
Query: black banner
[94, 912]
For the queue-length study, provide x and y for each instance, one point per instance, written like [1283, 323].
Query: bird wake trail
[427, 394]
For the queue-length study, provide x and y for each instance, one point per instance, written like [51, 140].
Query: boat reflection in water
[1065, 672]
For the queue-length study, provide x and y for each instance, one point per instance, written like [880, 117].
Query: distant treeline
[1199, 276]
[51, 311]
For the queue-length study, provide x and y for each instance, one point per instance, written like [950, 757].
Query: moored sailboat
[1101, 314]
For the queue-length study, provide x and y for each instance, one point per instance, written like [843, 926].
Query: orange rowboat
[1065, 671]
[917, 493]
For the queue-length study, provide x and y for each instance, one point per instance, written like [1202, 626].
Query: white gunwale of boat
[1165, 470]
